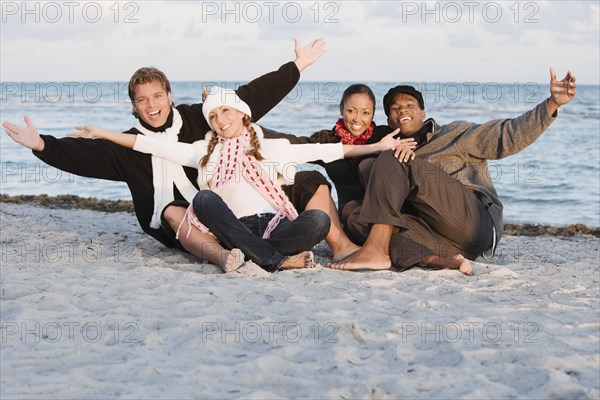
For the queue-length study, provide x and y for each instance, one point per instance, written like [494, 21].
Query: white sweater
[280, 163]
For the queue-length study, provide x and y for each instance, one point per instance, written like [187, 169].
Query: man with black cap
[437, 206]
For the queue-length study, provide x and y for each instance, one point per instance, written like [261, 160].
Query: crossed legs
[421, 217]
[309, 193]
[289, 238]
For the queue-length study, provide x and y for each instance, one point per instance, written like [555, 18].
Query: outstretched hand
[305, 56]
[95, 132]
[89, 132]
[27, 135]
[561, 92]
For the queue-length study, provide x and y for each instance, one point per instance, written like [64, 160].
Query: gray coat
[462, 149]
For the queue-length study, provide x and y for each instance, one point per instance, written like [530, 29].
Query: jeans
[288, 238]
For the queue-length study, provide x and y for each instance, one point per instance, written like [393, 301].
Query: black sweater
[102, 159]
[344, 173]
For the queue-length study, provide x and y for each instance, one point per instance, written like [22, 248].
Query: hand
[403, 150]
[305, 56]
[28, 136]
[561, 92]
[89, 132]
[94, 132]
[389, 142]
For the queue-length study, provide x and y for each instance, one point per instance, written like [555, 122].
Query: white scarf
[165, 172]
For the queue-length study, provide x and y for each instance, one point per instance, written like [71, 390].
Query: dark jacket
[102, 159]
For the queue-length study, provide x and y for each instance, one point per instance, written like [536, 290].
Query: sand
[91, 307]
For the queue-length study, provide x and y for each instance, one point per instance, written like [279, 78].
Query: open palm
[26, 135]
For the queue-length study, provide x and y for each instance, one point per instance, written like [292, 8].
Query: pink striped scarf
[235, 157]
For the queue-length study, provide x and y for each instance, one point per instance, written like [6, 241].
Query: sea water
[555, 181]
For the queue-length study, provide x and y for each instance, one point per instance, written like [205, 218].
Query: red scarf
[235, 157]
[348, 138]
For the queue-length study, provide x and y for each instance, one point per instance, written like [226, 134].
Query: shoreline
[68, 201]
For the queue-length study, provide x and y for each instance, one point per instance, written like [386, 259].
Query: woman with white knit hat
[241, 202]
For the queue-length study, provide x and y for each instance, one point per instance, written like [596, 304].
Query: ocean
[555, 181]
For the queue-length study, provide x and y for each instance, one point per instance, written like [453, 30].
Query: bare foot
[458, 262]
[233, 260]
[341, 253]
[364, 258]
[306, 259]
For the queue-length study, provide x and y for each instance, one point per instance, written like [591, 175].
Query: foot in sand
[306, 259]
[364, 259]
[233, 260]
[458, 262]
[341, 253]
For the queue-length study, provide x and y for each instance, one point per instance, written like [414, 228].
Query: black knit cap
[409, 90]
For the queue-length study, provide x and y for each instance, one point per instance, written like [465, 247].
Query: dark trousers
[432, 212]
[288, 238]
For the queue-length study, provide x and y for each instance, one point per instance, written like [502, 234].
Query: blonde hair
[146, 75]
[253, 140]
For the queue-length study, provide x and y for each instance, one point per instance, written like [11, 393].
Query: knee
[322, 191]
[320, 221]
[202, 202]
[319, 199]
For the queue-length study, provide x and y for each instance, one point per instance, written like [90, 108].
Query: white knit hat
[218, 96]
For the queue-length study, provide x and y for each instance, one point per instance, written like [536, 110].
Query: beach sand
[91, 307]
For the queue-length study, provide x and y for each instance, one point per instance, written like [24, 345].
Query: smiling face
[357, 112]
[406, 114]
[152, 103]
[226, 121]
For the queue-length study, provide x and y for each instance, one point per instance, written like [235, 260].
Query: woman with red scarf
[356, 126]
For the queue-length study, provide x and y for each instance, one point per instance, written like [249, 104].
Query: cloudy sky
[452, 41]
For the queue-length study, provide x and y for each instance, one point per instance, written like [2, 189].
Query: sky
[367, 41]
